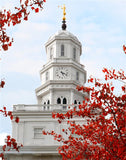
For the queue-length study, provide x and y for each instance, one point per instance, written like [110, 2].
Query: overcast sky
[100, 26]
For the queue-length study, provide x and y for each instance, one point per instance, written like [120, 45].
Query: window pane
[62, 50]
[74, 53]
[38, 133]
[64, 101]
[51, 53]
[77, 76]
[48, 103]
[75, 102]
[47, 76]
[58, 101]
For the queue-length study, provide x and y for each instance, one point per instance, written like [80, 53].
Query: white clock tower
[59, 78]
[62, 72]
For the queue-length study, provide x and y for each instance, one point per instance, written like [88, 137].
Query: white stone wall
[25, 130]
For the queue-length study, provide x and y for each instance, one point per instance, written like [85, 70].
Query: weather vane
[64, 18]
[64, 11]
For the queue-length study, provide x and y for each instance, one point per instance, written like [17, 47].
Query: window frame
[62, 50]
[58, 100]
[74, 53]
[77, 76]
[51, 53]
[48, 103]
[39, 133]
[47, 75]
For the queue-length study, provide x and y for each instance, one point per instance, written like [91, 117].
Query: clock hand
[62, 73]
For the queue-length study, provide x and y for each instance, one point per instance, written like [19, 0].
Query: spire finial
[64, 18]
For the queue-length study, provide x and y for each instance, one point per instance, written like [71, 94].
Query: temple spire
[64, 18]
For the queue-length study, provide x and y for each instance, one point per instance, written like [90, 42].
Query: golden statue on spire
[64, 18]
[64, 11]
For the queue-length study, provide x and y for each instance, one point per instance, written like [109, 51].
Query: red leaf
[7, 39]
[9, 144]
[8, 137]
[9, 113]
[26, 18]
[4, 108]
[32, 8]
[37, 10]
[5, 47]
[26, 2]
[124, 97]
[123, 88]
[105, 70]
[112, 88]
[14, 23]
[4, 147]
[124, 48]
[10, 44]
[17, 119]
[2, 155]
[44, 133]
[11, 117]
[2, 84]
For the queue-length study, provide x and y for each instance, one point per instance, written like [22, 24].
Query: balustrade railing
[44, 107]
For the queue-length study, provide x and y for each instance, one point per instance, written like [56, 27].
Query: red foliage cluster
[9, 113]
[2, 83]
[111, 74]
[8, 18]
[10, 143]
[101, 135]
[57, 137]
[124, 49]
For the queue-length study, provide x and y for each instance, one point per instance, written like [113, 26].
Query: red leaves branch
[112, 74]
[102, 132]
[10, 143]
[9, 113]
[124, 49]
[21, 13]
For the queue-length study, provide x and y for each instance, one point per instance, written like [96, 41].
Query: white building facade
[59, 79]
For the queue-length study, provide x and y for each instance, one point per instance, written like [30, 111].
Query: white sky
[100, 25]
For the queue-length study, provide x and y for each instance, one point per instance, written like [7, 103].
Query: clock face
[62, 73]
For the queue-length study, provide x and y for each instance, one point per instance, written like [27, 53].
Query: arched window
[51, 53]
[47, 76]
[64, 102]
[77, 76]
[44, 106]
[74, 53]
[62, 50]
[48, 103]
[58, 101]
[75, 102]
